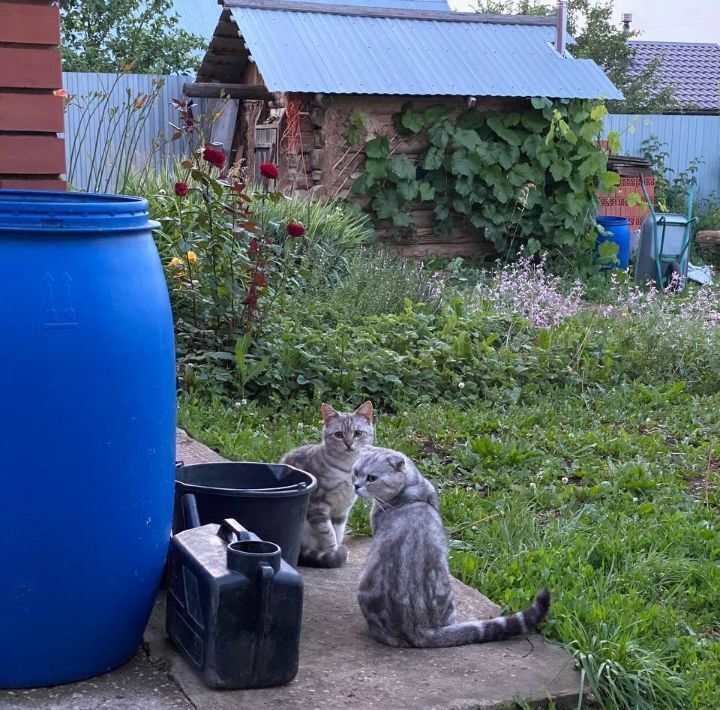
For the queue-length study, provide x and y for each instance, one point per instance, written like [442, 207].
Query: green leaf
[376, 169]
[634, 199]
[533, 246]
[433, 158]
[460, 163]
[560, 170]
[412, 120]
[609, 182]
[403, 168]
[522, 173]
[592, 165]
[435, 113]
[598, 112]
[461, 206]
[363, 185]
[507, 134]
[386, 204]
[540, 102]
[401, 219]
[427, 191]
[377, 148]
[466, 138]
[534, 122]
[440, 133]
[408, 189]
[613, 140]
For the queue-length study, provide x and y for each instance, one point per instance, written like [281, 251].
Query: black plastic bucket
[271, 500]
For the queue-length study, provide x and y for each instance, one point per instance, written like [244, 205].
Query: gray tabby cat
[405, 593]
[344, 434]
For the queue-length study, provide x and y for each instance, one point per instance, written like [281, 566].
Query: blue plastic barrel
[87, 433]
[619, 228]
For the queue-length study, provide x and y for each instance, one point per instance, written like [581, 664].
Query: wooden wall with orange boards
[32, 155]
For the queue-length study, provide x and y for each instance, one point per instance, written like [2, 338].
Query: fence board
[89, 133]
[687, 137]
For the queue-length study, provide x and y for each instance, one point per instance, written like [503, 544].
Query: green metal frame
[662, 259]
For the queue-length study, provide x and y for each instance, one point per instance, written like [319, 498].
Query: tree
[112, 35]
[598, 38]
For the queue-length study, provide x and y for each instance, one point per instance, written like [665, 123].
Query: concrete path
[341, 668]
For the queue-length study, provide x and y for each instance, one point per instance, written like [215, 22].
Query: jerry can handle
[266, 577]
[191, 516]
[231, 531]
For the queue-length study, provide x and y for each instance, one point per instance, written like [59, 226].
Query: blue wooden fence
[106, 134]
[686, 137]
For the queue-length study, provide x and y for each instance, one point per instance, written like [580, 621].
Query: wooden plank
[33, 184]
[23, 23]
[31, 155]
[22, 68]
[206, 90]
[392, 13]
[708, 238]
[449, 250]
[31, 112]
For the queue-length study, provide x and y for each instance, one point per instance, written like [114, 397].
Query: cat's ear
[397, 462]
[365, 410]
[327, 413]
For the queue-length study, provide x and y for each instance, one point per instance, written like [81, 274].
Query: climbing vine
[526, 178]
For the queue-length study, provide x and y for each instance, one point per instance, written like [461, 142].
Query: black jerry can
[234, 607]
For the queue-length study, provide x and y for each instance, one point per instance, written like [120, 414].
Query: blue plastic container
[87, 433]
[619, 228]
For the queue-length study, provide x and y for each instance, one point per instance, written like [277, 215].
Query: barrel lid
[42, 212]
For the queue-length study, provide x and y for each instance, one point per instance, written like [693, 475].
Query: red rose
[270, 171]
[181, 189]
[295, 229]
[214, 157]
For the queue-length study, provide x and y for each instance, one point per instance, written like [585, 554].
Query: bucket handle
[191, 517]
[231, 531]
[265, 576]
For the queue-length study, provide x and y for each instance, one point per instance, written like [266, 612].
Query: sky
[668, 20]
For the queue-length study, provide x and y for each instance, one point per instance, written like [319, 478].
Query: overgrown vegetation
[527, 179]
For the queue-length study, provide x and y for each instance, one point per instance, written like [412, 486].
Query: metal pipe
[560, 27]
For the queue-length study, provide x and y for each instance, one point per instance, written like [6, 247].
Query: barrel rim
[246, 492]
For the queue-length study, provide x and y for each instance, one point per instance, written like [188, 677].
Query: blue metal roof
[432, 5]
[198, 17]
[302, 51]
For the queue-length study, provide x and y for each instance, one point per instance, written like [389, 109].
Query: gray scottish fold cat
[344, 434]
[405, 592]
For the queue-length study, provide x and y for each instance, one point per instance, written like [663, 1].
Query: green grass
[601, 496]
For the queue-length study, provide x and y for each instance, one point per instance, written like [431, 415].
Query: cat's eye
[358, 434]
[371, 479]
[338, 435]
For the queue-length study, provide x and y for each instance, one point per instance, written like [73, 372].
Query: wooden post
[32, 156]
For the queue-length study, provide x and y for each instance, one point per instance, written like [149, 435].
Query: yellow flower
[624, 314]
[175, 262]
[192, 257]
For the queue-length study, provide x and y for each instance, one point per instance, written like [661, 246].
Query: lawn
[608, 498]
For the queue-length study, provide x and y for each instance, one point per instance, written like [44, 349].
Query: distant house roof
[323, 47]
[693, 69]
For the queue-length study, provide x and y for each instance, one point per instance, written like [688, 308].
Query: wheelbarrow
[665, 245]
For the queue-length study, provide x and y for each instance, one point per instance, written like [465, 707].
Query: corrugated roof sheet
[305, 51]
[200, 16]
[693, 69]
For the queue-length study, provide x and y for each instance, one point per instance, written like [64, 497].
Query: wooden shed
[32, 156]
[298, 73]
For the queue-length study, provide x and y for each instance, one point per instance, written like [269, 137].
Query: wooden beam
[205, 90]
[392, 13]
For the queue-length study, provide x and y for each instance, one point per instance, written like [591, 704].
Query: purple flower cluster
[525, 289]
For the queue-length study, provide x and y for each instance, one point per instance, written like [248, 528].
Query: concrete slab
[342, 667]
[137, 684]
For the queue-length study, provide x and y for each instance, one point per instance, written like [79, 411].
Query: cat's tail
[326, 559]
[497, 629]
